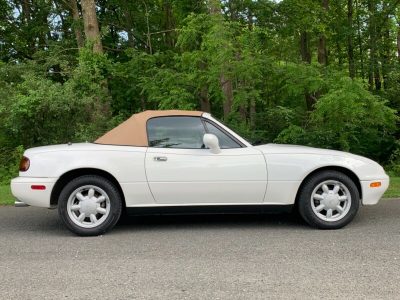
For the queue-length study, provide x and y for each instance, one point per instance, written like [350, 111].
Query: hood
[296, 149]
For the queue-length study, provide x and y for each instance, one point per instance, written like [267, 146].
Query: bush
[45, 112]
[348, 118]
[41, 111]
[9, 163]
[393, 166]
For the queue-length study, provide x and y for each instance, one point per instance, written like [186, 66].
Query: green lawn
[5, 195]
[394, 188]
[393, 192]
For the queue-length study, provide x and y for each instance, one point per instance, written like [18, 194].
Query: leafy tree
[321, 73]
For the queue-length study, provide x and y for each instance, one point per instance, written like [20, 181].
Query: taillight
[24, 164]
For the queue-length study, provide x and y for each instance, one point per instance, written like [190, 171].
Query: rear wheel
[328, 200]
[90, 205]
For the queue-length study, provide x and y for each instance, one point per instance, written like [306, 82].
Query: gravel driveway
[202, 257]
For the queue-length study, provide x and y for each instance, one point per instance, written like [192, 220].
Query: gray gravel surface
[201, 257]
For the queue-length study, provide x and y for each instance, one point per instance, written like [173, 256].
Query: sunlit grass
[394, 188]
[5, 195]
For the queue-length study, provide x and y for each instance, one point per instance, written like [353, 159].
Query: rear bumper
[21, 188]
[372, 195]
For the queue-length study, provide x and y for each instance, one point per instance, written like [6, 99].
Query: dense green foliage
[320, 73]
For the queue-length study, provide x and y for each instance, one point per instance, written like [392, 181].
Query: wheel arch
[68, 176]
[343, 170]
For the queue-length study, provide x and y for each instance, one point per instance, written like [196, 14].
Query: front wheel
[90, 205]
[328, 200]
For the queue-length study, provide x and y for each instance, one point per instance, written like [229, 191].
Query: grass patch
[394, 188]
[6, 198]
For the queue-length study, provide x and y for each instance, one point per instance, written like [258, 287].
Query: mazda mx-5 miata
[165, 162]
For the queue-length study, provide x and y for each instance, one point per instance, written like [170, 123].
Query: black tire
[305, 202]
[115, 202]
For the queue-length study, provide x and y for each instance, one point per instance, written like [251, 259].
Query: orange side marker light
[375, 184]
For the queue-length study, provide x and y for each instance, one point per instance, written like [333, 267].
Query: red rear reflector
[375, 184]
[38, 187]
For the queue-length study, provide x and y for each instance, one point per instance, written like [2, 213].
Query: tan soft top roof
[133, 131]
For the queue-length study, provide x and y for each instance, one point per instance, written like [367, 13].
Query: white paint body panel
[371, 196]
[21, 189]
[197, 176]
[289, 165]
[267, 174]
[126, 164]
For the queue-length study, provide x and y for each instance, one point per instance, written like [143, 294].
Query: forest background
[313, 72]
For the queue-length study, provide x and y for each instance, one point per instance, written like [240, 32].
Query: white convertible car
[175, 161]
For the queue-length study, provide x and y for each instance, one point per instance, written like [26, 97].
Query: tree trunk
[131, 38]
[227, 90]
[252, 113]
[169, 24]
[306, 57]
[41, 14]
[322, 56]
[378, 82]
[204, 100]
[214, 7]
[76, 23]
[92, 34]
[91, 25]
[64, 26]
[386, 42]
[26, 11]
[225, 82]
[322, 51]
[305, 47]
[340, 56]
[129, 24]
[143, 102]
[350, 48]
[247, 109]
[243, 111]
[371, 45]
[26, 19]
[360, 46]
[398, 42]
[373, 72]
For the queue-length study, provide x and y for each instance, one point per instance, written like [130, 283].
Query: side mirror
[211, 142]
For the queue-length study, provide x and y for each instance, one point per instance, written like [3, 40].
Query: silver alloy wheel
[331, 200]
[88, 206]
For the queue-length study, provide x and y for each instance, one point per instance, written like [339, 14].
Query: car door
[181, 171]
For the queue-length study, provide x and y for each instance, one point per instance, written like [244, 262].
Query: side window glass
[225, 141]
[175, 132]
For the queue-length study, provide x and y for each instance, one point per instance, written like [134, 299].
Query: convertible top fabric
[133, 132]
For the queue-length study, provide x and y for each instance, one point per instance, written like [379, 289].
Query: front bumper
[21, 188]
[372, 195]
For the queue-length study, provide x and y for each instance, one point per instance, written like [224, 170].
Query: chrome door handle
[160, 158]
